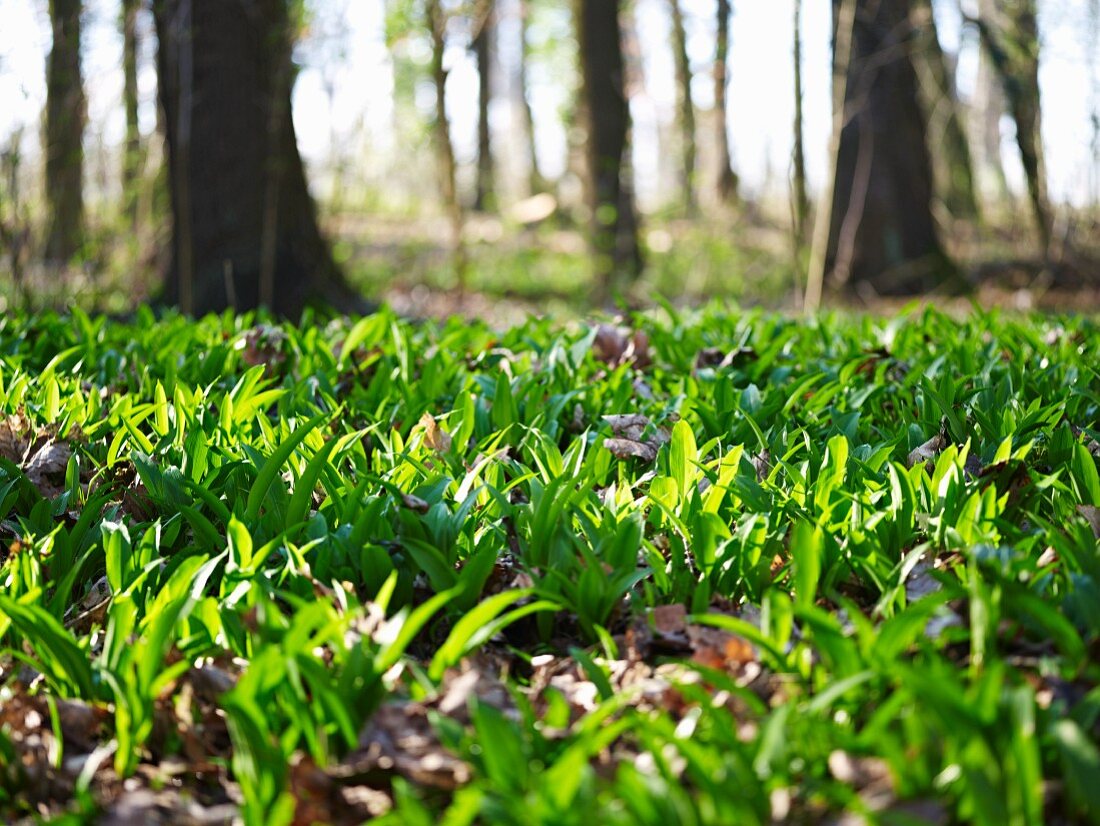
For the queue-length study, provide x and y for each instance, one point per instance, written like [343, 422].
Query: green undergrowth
[704, 568]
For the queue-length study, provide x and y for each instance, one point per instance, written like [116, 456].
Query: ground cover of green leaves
[719, 567]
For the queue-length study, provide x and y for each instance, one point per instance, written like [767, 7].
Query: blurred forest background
[506, 156]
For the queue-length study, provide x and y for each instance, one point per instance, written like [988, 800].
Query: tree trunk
[448, 171]
[614, 236]
[881, 233]
[483, 50]
[686, 120]
[535, 182]
[65, 116]
[1094, 113]
[989, 105]
[727, 182]
[245, 230]
[949, 148]
[801, 198]
[1011, 39]
[131, 161]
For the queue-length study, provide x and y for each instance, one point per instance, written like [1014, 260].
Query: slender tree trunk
[131, 160]
[483, 50]
[1094, 114]
[448, 168]
[801, 198]
[245, 230]
[949, 146]
[65, 116]
[1011, 39]
[686, 120]
[535, 182]
[989, 105]
[727, 182]
[614, 232]
[881, 232]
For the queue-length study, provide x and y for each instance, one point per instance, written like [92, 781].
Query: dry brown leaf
[718, 649]
[669, 619]
[617, 345]
[414, 503]
[435, 437]
[577, 425]
[920, 583]
[628, 425]
[762, 464]
[870, 776]
[928, 450]
[264, 344]
[709, 357]
[145, 807]
[14, 441]
[715, 357]
[1092, 515]
[399, 739]
[627, 448]
[46, 469]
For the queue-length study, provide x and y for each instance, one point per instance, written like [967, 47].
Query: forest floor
[703, 567]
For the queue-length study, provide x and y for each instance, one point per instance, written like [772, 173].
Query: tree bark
[988, 106]
[448, 171]
[727, 182]
[245, 231]
[1011, 38]
[881, 233]
[483, 50]
[64, 139]
[614, 231]
[686, 119]
[535, 182]
[801, 198]
[131, 160]
[949, 147]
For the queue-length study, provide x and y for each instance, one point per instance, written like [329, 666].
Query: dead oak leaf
[627, 448]
[435, 437]
[615, 345]
[628, 425]
[1092, 516]
[46, 468]
[927, 451]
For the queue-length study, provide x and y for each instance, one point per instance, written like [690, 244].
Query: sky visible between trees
[345, 48]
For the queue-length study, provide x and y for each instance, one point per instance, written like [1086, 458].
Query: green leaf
[274, 464]
[807, 554]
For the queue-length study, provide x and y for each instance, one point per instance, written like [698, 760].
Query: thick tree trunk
[881, 231]
[727, 182]
[686, 119]
[245, 227]
[131, 160]
[483, 51]
[445, 153]
[949, 147]
[801, 205]
[535, 182]
[1011, 38]
[64, 140]
[614, 231]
